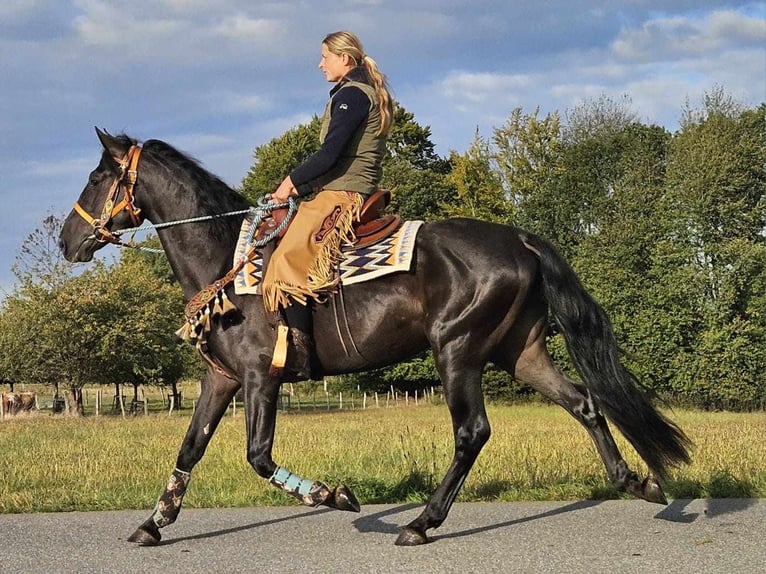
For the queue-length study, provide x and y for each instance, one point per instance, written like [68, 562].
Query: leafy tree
[414, 172]
[275, 159]
[478, 188]
[138, 343]
[617, 260]
[594, 118]
[107, 325]
[148, 254]
[56, 334]
[715, 191]
[528, 157]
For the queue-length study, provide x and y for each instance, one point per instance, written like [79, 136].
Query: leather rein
[126, 181]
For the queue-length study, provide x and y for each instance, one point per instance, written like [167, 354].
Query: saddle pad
[388, 256]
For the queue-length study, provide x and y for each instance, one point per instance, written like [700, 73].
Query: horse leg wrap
[169, 504]
[308, 492]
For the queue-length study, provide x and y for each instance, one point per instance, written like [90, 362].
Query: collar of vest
[358, 74]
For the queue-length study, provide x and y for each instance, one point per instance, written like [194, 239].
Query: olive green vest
[359, 168]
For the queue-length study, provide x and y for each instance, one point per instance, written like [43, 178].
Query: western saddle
[373, 225]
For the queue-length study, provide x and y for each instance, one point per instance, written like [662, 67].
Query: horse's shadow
[374, 522]
[676, 511]
[244, 527]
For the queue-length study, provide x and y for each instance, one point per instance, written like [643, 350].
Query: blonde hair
[347, 43]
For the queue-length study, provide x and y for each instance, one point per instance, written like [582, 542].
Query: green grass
[385, 455]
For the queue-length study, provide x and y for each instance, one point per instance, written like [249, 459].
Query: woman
[345, 170]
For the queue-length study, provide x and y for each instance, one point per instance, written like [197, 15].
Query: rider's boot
[299, 353]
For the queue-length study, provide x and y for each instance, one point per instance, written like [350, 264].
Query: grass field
[386, 455]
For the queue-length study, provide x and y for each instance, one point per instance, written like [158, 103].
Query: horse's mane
[213, 194]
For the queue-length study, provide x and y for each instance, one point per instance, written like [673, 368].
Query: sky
[217, 79]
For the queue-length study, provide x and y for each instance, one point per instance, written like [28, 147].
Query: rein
[127, 181]
[211, 302]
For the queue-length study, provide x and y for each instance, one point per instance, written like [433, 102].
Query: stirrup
[279, 357]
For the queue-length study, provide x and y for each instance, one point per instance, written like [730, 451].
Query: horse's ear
[111, 144]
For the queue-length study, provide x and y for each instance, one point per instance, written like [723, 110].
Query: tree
[623, 263]
[528, 157]
[595, 118]
[138, 345]
[52, 334]
[275, 159]
[40, 258]
[478, 188]
[107, 325]
[414, 172]
[717, 195]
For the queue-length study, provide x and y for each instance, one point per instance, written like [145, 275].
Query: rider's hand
[284, 191]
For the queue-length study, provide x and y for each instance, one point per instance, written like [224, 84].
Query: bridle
[125, 181]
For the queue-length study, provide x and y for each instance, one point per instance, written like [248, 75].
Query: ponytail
[383, 93]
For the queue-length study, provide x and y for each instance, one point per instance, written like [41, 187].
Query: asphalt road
[615, 537]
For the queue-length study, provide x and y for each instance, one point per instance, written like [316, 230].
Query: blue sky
[217, 79]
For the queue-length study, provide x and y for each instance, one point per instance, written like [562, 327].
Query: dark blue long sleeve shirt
[350, 108]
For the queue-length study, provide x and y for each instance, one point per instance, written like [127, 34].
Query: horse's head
[106, 204]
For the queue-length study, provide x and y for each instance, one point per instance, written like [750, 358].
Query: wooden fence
[103, 402]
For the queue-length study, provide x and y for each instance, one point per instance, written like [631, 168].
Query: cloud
[264, 31]
[474, 87]
[18, 8]
[218, 79]
[664, 39]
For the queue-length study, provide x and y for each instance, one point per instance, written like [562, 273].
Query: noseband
[125, 181]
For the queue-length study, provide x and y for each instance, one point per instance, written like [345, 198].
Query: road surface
[615, 537]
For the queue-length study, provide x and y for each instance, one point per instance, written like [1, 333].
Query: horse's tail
[594, 351]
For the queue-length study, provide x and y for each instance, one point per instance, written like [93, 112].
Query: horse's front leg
[217, 392]
[261, 397]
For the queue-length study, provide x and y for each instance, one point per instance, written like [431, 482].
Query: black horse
[478, 292]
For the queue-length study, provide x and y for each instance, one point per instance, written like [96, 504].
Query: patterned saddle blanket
[390, 255]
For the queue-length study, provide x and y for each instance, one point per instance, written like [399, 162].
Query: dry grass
[386, 455]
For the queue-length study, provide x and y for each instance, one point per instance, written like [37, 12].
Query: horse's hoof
[411, 537]
[146, 535]
[652, 491]
[343, 499]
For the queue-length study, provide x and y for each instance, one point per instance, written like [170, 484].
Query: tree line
[666, 230]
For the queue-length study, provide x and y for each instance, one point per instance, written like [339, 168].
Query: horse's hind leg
[214, 399]
[536, 368]
[462, 392]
